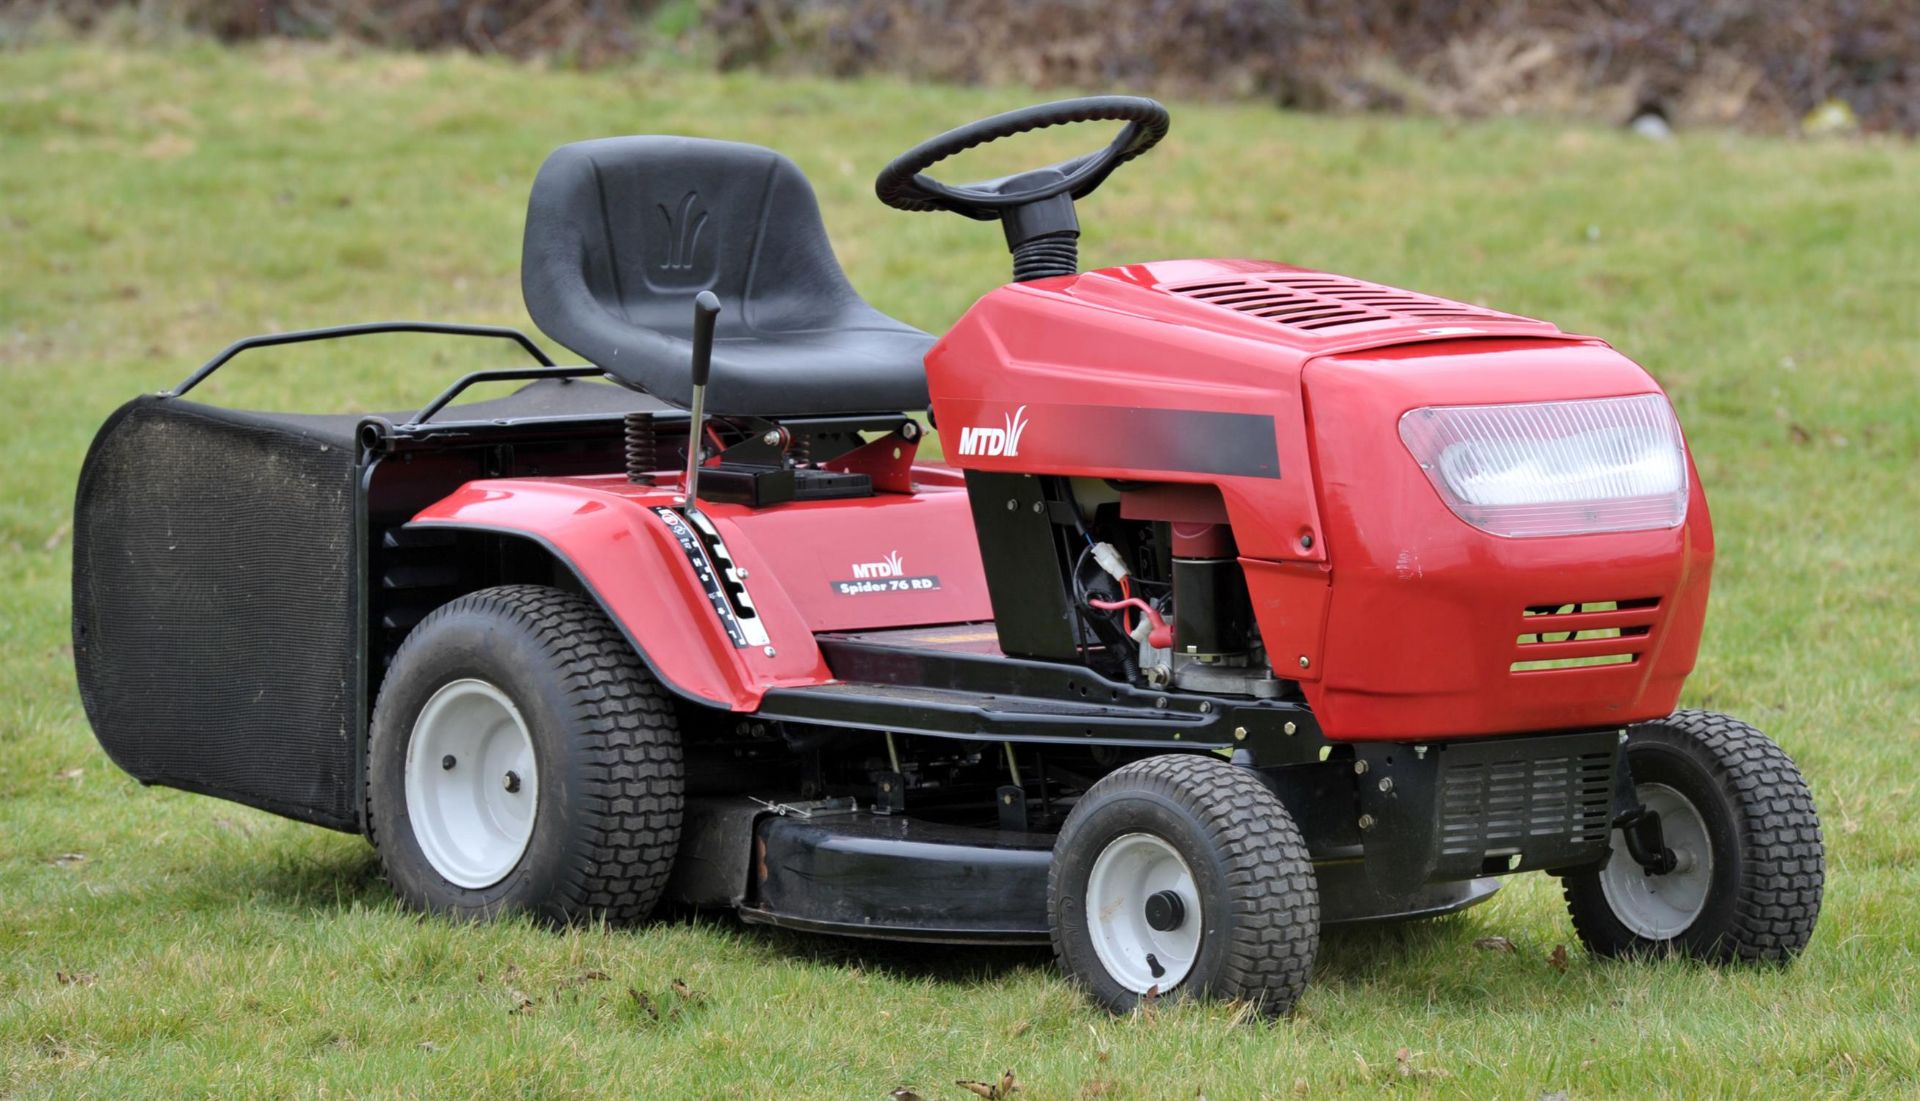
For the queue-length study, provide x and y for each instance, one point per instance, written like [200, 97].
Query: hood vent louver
[1311, 300]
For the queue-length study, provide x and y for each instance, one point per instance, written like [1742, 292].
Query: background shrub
[1758, 63]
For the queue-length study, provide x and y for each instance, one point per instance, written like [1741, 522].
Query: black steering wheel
[905, 185]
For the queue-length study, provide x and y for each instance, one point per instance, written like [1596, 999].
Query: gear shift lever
[706, 308]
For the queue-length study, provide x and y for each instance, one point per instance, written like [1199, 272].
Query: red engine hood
[1181, 371]
[1399, 619]
[1294, 313]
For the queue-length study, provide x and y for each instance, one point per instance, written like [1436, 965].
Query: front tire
[522, 760]
[1183, 875]
[1740, 821]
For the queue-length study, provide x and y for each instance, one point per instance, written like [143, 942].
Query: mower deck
[832, 867]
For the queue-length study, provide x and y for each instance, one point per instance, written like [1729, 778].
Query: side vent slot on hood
[1559, 637]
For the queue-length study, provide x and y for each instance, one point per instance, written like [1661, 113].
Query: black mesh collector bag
[216, 620]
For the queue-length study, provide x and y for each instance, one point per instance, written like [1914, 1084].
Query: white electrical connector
[1110, 561]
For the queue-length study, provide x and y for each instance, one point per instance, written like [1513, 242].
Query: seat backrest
[622, 232]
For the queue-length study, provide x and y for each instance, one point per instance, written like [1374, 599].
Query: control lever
[706, 308]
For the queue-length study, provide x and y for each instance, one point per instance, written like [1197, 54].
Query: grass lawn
[155, 205]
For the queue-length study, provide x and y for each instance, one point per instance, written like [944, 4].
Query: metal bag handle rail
[435, 328]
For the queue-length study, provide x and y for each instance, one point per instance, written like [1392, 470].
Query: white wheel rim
[1130, 871]
[1661, 907]
[472, 786]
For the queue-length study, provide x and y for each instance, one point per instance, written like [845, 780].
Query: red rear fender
[884, 561]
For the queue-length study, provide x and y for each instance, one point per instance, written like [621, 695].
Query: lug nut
[447, 762]
[512, 782]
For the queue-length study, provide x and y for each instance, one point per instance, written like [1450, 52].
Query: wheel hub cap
[1165, 911]
[1141, 911]
[1661, 907]
[471, 783]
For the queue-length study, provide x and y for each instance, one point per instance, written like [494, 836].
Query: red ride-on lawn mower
[1254, 599]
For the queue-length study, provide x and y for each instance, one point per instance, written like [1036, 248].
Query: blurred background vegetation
[1775, 65]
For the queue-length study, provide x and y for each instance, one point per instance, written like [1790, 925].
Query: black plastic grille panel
[1496, 805]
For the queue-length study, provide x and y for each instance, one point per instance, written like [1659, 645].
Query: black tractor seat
[623, 232]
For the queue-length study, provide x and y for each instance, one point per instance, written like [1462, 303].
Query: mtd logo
[1004, 441]
[888, 567]
[889, 575]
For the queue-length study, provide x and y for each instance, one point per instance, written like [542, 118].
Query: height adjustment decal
[713, 565]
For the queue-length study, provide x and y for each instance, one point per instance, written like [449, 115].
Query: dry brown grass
[590, 32]
[1763, 64]
[1760, 63]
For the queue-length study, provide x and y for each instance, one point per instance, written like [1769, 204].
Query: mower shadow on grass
[906, 960]
[1380, 952]
[1419, 959]
[324, 873]
[1372, 955]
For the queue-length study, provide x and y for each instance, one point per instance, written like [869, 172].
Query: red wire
[1126, 614]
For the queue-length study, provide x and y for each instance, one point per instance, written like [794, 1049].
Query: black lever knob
[706, 307]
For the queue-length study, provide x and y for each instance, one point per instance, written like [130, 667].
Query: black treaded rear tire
[1769, 861]
[607, 821]
[1258, 896]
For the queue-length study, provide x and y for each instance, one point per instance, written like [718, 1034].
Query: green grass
[154, 206]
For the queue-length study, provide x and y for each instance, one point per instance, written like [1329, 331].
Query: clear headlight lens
[1555, 467]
